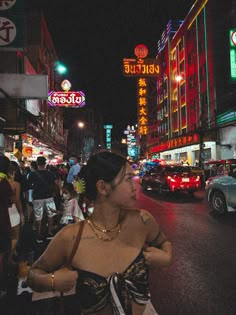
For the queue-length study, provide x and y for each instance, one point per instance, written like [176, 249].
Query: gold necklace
[99, 236]
[104, 230]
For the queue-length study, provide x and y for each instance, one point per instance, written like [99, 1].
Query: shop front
[29, 149]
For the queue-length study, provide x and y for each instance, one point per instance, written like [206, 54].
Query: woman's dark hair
[103, 165]
[4, 164]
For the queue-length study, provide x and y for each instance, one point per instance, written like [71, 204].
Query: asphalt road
[202, 277]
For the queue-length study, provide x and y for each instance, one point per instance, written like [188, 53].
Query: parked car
[171, 178]
[221, 193]
[199, 171]
[218, 168]
[146, 166]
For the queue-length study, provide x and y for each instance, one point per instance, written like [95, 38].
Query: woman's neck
[106, 216]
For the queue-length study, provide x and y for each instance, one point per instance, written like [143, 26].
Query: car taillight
[198, 179]
[171, 179]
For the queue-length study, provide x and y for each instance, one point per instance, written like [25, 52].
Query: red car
[171, 178]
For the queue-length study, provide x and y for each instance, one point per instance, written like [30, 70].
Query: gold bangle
[53, 281]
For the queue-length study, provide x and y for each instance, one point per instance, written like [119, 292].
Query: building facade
[31, 127]
[195, 118]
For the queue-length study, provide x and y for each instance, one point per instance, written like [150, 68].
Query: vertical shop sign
[11, 24]
[108, 136]
[232, 43]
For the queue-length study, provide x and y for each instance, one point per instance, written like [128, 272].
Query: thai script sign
[140, 67]
[73, 99]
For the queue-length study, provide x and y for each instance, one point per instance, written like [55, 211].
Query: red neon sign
[66, 99]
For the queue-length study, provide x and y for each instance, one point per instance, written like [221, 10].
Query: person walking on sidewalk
[42, 182]
[6, 199]
[74, 169]
[29, 194]
[119, 244]
[16, 213]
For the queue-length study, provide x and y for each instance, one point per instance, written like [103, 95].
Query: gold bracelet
[53, 281]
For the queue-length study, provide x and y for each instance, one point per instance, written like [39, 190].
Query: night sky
[92, 37]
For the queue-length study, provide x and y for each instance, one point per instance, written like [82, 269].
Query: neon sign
[232, 42]
[66, 98]
[140, 67]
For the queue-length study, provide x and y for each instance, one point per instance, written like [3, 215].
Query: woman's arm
[48, 273]
[158, 252]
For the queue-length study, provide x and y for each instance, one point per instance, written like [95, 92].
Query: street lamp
[60, 68]
[81, 126]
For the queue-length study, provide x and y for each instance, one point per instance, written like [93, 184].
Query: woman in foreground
[118, 245]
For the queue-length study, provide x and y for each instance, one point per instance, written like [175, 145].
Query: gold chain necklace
[104, 230]
[99, 236]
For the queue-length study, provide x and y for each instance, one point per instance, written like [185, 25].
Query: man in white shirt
[74, 169]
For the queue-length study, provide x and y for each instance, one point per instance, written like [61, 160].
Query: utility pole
[201, 133]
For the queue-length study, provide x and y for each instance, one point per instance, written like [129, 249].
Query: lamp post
[59, 71]
[81, 126]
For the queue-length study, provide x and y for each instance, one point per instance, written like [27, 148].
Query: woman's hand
[64, 279]
[156, 257]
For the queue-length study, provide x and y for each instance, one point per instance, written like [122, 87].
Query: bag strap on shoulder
[68, 264]
[76, 243]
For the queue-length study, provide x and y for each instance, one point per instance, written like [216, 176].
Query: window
[182, 90]
[192, 81]
[202, 72]
[181, 45]
[181, 66]
[183, 112]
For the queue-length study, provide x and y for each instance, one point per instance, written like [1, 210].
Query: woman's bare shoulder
[69, 232]
[139, 214]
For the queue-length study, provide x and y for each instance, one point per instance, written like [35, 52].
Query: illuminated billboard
[232, 42]
[140, 67]
[66, 98]
[72, 99]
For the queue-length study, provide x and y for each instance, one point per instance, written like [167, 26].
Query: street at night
[201, 279]
[106, 107]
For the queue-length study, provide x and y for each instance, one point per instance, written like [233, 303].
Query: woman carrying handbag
[119, 245]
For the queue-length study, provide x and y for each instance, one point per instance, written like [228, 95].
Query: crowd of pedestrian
[36, 201]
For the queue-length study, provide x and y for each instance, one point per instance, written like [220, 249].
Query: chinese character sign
[142, 106]
[7, 31]
[12, 26]
[108, 136]
[6, 4]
